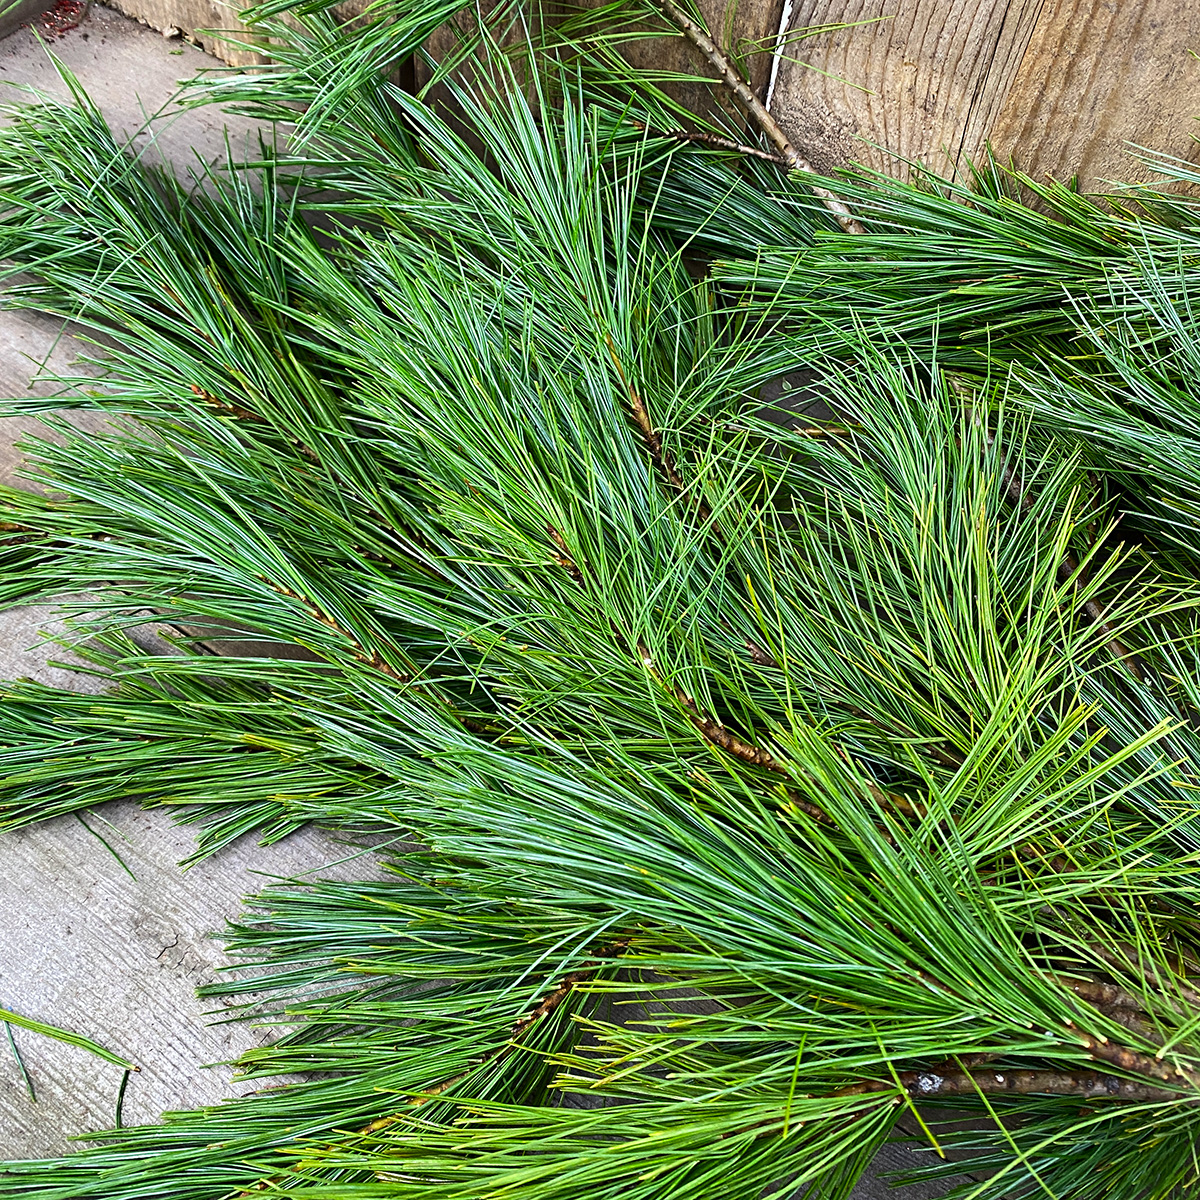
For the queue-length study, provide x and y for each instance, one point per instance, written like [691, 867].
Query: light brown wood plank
[1097, 75]
[924, 79]
[747, 31]
[83, 945]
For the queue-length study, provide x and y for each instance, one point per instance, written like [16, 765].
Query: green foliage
[768, 777]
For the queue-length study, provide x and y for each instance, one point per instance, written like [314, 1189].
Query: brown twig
[244, 414]
[712, 729]
[713, 141]
[549, 1003]
[563, 557]
[370, 658]
[720, 736]
[820, 431]
[544, 1007]
[759, 656]
[1136, 1063]
[1126, 958]
[706, 723]
[224, 406]
[1159, 1080]
[658, 453]
[768, 126]
[1096, 992]
[946, 758]
[723, 738]
[1119, 1006]
[22, 534]
[1087, 1085]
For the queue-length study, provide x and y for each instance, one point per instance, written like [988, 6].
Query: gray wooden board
[83, 945]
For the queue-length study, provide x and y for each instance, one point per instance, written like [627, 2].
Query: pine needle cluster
[779, 777]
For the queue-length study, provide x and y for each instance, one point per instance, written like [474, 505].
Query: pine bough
[777, 784]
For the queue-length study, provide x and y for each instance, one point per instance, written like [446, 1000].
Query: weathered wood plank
[1097, 76]
[916, 80]
[746, 30]
[1060, 86]
[202, 21]
[82, 944]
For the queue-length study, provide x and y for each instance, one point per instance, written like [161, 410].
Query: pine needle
[106, 844]
[16, 1053]
[64, 1035]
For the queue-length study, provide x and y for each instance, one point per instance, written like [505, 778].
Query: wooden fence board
[751, 24]
[1060, 86]
[1100, 74]
[921, 80]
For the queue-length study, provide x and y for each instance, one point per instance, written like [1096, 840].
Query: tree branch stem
[767, 125]
[714, 142]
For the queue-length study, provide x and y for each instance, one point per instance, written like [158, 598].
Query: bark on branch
[369, 658]
[543, 1008]
[1087, 1085]
[239, 413]
[1136, 1063]
[659, 455]
[1097, 993]
[714, 142]
[562, 555]
[972, 1075]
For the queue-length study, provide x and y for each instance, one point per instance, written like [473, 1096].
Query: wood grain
[1097, 76]
[82, 944]
[86, 947]
[746, 31]
[1062, 87]
[915, 80]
